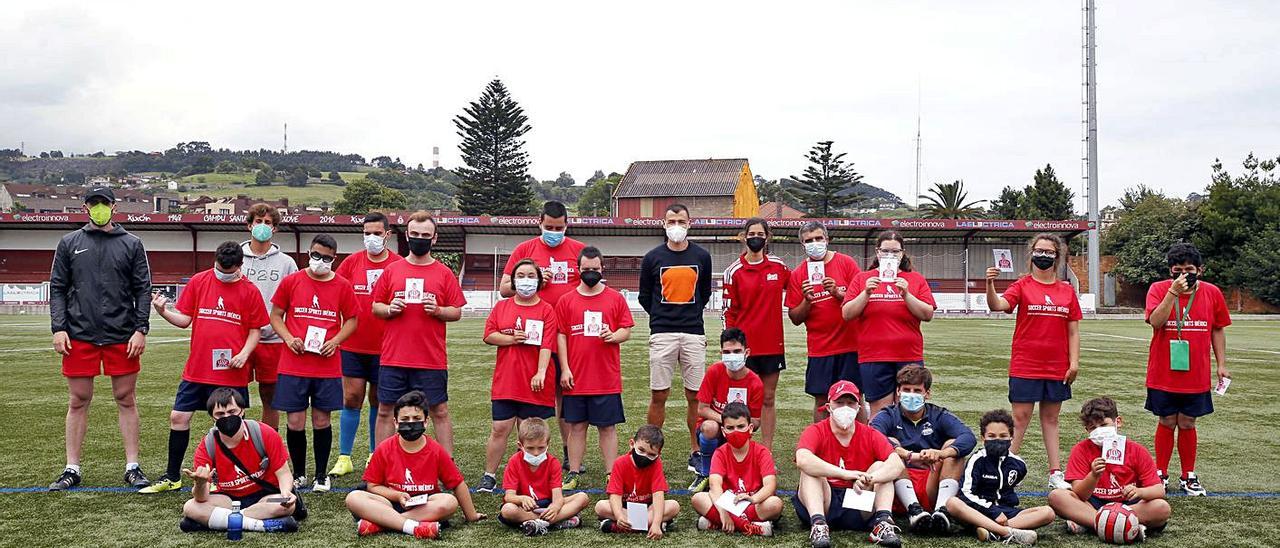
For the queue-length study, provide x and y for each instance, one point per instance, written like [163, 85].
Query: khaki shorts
[669, 350]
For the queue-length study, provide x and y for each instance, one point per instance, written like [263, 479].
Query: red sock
[1187, 450]
[1164, 447]
[713, 516]
[739, 522]
[752, 514]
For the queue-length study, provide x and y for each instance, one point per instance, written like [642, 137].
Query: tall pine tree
[827, 185]
[494, 181]
[1048, 198]
[1012, 204]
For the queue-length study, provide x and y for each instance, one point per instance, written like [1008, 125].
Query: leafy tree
[226, 166]
[948, 201]
[1142, 236]
[44, 154]
[73, 178]
[1239, 209]
[1258, 267]
[364, 196]
[383, 162]
[827, 187]
[334, 176]
[1048, 198]
[1135, 195]
[297, 177]
[599, 174]
[55, 154]
[494, 179]
[1011, 204]
[596, 201]
[264, 176]
[565, 179]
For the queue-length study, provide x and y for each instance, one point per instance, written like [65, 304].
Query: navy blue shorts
[825, 371]
[360, 366]
[512, 409]
[1164, 404]
[395, 381]
[992, 512]
[542, 505]
[295, 394]
[1038, 390]
[604, 410]
[194, 396]
[839, 518]
[767, 365]
[880, 379]
[1098, 503]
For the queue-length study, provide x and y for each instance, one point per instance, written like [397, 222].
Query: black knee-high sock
[178, 441]
[297, 441]
[322, 444]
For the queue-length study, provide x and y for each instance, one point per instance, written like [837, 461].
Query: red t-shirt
[414, 473]
[518, 363]
[717, 383]
[363, 273]
[887, 332]
[596, 365]
[753, 302]
[746, 476]
[530, 482]
[562, 260]
[1138, 469]
[308, 303]
[634, 484]
[1040, 342]
[867, 447]
[1208, 312]
[415, 338]
[234, 482]
[222, 314]
[826, 330]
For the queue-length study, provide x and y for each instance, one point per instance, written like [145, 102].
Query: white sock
[130, 466]
[74, 468]
[906, 492]
[218, 519]
[409, 526]
[947, 488]
[251, 524]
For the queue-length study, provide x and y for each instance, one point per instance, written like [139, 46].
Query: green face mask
[100, 214]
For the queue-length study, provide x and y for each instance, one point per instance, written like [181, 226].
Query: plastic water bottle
[235, 522]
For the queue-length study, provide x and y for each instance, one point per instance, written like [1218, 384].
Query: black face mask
[591, 278]
[1191, 279]
[411, 431]
[419, 246]
[755, 244]
[997, 448]
[1043, 263]
[641, 461]
[229, 425]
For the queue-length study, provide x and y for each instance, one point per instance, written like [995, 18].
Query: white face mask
[816, 250]
[734, 362]
[535, 460]
[226, 277]
[374, 244]
[1102, 434]
[844, 416]
[526, 287]
[320, 268]
[677, 233]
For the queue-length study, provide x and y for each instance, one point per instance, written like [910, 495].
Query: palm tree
[948, 202]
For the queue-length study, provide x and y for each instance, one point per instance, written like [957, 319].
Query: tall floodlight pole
[1091, 146]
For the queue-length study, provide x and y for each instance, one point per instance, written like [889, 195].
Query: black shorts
[194, 396]
[395, 381]
[1038, 390]
[360, 366]
[1098, 503]
[1164, 404]
[767, 365]
[825, 371]
[992, 512]
[603, 410]
[295, 394]
[299, 509]
[880, 379]
[838, 517]
[512, 409]
[542, 505]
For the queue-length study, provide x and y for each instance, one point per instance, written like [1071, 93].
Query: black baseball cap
[100, 192]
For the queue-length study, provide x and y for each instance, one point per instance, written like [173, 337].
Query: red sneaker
[365, 528]
[427, 530]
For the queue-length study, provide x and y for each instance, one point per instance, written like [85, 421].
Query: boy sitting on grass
[745, 469]
[534, 501]
[637, 478]
[987, 499]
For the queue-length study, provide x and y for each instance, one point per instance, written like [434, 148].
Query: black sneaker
[280, 525]
[188, 525]
[919, 521]
[67, 480]
[609, 526]
[488, 484]
[134, 478]
[942, 522]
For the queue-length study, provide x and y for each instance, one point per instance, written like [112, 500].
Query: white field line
[49, 348]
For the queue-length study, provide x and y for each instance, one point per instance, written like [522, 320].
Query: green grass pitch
[968, 357]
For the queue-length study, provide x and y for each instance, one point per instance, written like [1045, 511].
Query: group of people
[320, 340]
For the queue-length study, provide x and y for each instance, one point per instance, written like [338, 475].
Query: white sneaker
[1022, 536]
[766, 528]
[321, 485]
[301, 482]
[1058, 480]
[703, 523]
[1191, 485]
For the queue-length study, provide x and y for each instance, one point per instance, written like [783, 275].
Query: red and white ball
[1117, 524]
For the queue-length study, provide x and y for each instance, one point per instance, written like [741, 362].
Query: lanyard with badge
[1179, 349]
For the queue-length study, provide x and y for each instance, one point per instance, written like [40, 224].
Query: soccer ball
[1117, 524]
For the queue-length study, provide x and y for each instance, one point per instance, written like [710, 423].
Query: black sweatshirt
[669, 292]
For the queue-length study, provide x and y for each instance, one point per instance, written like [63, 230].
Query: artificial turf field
[968, 357]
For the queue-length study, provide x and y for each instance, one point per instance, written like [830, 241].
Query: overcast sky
[608, 83]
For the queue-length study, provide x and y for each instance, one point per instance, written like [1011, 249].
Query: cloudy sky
[608, 83]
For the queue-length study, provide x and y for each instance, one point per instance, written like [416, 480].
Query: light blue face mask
[261, 232]
[911, 401]
[552, 238]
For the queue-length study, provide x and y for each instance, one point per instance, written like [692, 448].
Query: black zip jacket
[100, 286]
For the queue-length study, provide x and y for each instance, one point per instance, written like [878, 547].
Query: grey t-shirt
[266, 271]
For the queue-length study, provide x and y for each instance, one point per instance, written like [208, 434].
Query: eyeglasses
[890, 251]
[316, 256]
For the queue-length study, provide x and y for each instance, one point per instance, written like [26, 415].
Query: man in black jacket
[99, 295]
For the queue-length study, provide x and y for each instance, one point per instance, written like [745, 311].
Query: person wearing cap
[839, 455]
[100, 307]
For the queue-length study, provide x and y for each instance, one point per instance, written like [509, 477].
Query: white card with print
[592, 323]
[638, 515]
[817, 272]
[413, 293]
[888, 269]
[371, 277]
[1003, 259]
[221, 359]
[729, 503]
[315, 339]
[533, 332]
[416, 501]
[863, 501]
[1113, 449]
[559, 272]
[737, 395]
